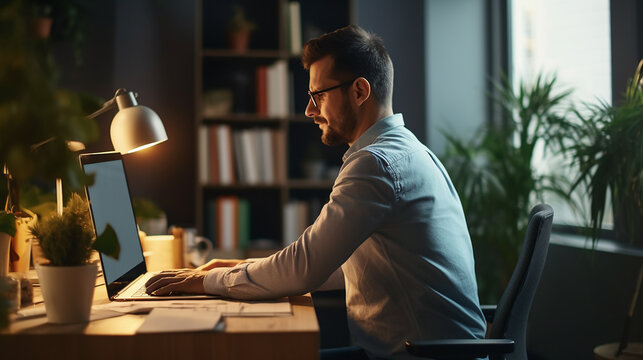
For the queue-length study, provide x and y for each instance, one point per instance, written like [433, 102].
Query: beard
[346, 124]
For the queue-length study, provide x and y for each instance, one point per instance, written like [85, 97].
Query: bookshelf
[253, 139]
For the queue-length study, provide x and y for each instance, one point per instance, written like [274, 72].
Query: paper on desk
[139, 307]
[225, 307]
[280, 307]
[177, 320]
[96, 314]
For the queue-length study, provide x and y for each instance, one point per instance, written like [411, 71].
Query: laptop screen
[110, 202]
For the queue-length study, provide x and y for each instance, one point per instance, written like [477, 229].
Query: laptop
[110, 202]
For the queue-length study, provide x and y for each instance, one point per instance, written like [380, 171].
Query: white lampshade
[135, 127]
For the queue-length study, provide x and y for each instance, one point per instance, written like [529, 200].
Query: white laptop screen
[110, 202]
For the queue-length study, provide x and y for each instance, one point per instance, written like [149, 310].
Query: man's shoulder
[394, 145]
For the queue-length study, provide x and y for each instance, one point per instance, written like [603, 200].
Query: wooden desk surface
[277, 337]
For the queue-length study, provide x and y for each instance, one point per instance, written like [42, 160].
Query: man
[393, 232]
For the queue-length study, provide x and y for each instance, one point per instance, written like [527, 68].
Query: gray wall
[583, 298]
[146, 46]
[154, 55]
[402, 30]
[456, 76]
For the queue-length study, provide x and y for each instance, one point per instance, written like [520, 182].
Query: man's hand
[176, 282]
[215, 263]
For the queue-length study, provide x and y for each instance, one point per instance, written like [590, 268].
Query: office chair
[509, 319]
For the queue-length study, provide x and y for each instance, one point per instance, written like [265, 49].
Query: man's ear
[363, 90]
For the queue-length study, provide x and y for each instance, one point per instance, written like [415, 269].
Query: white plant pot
[68, 292]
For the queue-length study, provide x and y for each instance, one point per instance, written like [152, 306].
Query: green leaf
[107, 243]
[7, 223]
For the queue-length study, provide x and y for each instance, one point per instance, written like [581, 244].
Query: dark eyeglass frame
[312, 94]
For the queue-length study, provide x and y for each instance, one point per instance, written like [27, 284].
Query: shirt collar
[377, 129]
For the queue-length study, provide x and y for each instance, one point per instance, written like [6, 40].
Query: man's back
[413, 277]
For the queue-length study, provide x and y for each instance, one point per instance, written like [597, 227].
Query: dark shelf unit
[218, 66]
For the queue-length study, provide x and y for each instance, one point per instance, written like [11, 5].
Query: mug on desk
[196, 249]
[162, 252]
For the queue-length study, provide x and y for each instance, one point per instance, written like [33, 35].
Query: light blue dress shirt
[395, 226]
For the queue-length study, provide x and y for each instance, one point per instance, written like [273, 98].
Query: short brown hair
[356, 53]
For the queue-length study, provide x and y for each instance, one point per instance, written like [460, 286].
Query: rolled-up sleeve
[362, 197]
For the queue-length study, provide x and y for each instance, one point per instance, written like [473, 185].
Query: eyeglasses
[312, 94]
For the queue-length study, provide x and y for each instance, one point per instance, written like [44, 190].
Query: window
[571, 40]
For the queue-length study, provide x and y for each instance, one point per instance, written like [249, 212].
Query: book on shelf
[225, 154]
[294, 27]
[250, 156]
[246, 156]
[243, 232]
[261, 83]
[259, 155]
[216, 162]
[228, 222]
[203, 156]
[213, 151]
[239, 158]
[295, 220]
[227, 226]
[279, 155]
[266, 163]
[277, 89]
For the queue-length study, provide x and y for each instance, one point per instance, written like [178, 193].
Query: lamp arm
[110, 104]
[106, 106]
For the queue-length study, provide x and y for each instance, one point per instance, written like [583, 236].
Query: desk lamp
[134, 127]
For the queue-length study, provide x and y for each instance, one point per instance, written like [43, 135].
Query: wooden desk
[278, 337]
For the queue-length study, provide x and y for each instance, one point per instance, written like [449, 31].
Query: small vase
[21, 242]
[68, 292]
[41, 27]
[239, 40]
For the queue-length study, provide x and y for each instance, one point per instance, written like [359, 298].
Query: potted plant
[68, 280]
[496, 179]
[607, 147]
[149, 217]
[239, 29]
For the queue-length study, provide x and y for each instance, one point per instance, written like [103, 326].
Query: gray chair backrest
[512, 313]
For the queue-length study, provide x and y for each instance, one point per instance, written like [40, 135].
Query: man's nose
[311, 109]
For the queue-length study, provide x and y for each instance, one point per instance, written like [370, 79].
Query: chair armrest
[489, 312]
[459, 348]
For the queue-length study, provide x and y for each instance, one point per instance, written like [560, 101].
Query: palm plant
[496, 179]
[607, 148]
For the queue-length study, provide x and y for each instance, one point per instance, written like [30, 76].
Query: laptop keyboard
[140, 292]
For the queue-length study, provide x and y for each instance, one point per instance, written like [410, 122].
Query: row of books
[245, 156]
[273, 84]
[228, 222]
